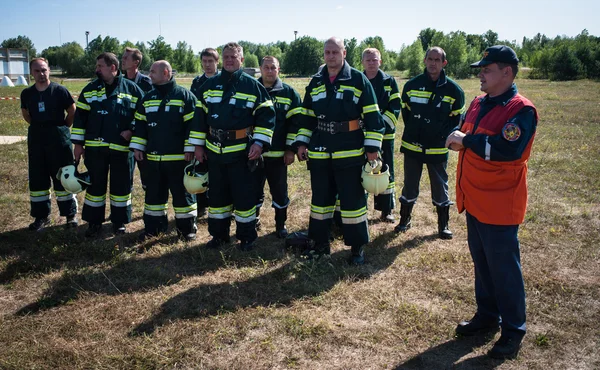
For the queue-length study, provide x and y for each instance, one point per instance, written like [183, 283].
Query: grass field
[66, 302]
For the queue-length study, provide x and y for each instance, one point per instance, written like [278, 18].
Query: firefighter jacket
[198, 82]
[230, 103]
[162, 122]
[143, 81]
[329, 108]
[288, 111]
[430, 110]
[388, 99]
[100, 117]
[491, 177]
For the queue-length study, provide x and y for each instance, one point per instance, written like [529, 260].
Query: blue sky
[202, 24]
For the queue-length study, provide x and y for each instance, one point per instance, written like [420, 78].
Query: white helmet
[375, 177]
[194, 182]
[73, 181]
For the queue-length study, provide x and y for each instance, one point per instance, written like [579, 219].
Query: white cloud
[339, 7]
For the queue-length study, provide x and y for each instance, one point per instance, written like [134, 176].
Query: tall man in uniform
[432, 105]
[233, 123]
[43, 106]
[388, 99]
[494, 144]
[161, 131]
[101, 133]
[332, 139]
[130, 63]
[209, 58]
[288, 111]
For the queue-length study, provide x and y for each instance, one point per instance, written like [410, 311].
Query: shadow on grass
[294, 280]
[446, 355]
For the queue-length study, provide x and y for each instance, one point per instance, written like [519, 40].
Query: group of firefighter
[235, 133]
[214, 147]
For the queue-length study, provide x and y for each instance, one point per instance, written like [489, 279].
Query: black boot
[358, 256]
[405, 224]
[443, 218]
[280, 218]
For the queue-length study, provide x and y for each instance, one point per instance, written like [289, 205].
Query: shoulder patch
[511, 131]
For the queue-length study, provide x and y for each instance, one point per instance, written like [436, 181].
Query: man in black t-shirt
[43, 106]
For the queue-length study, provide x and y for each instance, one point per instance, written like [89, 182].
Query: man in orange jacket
[495, 143]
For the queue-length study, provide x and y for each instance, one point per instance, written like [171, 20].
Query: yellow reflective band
[140, 117]
[458, 111]
[282, 100]
[389, 136]
[356, 91]
[78, 131]
[155, 207]
[120, 198]
[304, 132]
[387, 88]
[264, 131]
[276, 154]
[373, 135]
[100, 198]
[245, 214]
[448, 99]
[95, 143]
[40, 193]
[188, 209]
[394, 96]
[391, 116]
[356, 213]
[318, 155]
[200, 105]
[348, 153]
[436, 151]
[166, 157]
[198, 135]
[243, 96]
[291, 136]
[226, 149]
[318, 90]
[83, 106]
[152, 103]
[119, 148]
[411, 147]
[309, 112]
[266, 104]
[419, 94]
[291, 112]
[139, 140]
[175, 102]
[225, 209]
[370, 108]
[188, 116]
[322, 210]
[128, 96]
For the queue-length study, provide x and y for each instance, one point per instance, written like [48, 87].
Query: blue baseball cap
[497, 54]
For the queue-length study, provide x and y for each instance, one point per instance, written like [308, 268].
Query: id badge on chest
[41, 107]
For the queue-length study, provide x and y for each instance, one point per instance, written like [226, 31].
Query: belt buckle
[219, 134]
[333, 128]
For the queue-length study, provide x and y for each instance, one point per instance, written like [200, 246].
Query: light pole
[87, 44]
[295, 34]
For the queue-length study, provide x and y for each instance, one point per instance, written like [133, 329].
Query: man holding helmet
[43, 106]
[161, 131]
[332, 139]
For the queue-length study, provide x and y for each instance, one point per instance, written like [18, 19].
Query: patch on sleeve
[511, 131]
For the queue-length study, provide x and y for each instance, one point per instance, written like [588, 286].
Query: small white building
[14, 63]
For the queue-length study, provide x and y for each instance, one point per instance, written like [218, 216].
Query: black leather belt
[222, 135]
[334, 127]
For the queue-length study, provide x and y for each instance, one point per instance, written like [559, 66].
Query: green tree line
[559, 58]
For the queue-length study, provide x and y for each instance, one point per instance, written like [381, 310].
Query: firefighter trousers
[327, 181]
[275, 172]
[232, 186]
[46, 155]
[162, 177]
[99, 161]
[438, 177]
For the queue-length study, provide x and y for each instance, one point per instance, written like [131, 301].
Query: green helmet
[194, 182]
[375, 177]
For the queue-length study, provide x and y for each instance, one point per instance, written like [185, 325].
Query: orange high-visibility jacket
[494, 192]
